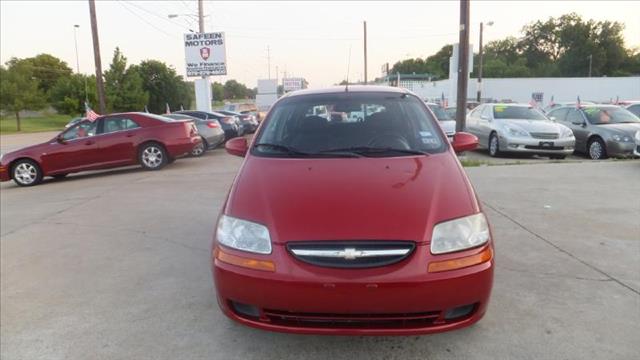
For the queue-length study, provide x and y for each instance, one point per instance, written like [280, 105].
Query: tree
[217, 91]
[67, 95]
[19, 90]
[163, 85]
[437, 64]
[124, 86]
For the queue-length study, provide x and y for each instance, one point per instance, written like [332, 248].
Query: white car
[447, 123]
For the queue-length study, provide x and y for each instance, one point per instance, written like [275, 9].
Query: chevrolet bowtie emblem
[350, 253]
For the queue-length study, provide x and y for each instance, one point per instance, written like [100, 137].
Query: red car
[366, 227]
[110, 141]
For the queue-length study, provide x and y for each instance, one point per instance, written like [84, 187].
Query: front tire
[26, 172]
[597, 150]
[494, 145]
[153, 156]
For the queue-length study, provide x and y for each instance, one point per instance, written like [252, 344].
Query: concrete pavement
[115, 265]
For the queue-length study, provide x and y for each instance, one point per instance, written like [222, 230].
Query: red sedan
[109, 141]
[365, 226]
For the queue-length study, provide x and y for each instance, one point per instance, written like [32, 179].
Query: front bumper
[563, 146]
[622, 149]
[636, 151]
[307, 299]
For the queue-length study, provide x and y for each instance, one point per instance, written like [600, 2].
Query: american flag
[167, 109]
[552, 103]
[578, 104]
[89, 113]
[181, 108]
[533, 102]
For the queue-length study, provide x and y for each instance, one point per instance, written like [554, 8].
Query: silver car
[447, 123]
[209, 130]
[519, 128]
[600, 130]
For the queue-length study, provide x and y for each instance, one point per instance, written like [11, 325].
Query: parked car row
[597, 130]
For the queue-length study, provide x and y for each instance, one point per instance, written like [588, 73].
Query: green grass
[33, 124]
[472, 162]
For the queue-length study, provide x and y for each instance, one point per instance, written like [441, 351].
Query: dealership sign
[292, 84]
[205, 54]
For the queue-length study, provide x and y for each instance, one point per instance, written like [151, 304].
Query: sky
[315, 40]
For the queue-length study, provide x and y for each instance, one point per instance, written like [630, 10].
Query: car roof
[351, 89]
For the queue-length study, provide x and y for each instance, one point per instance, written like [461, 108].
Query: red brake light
[212, 124]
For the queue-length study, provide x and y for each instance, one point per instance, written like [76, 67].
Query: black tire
[557, 157]
[152, 156]
[26, 172]
[494, 151]
[596, 149]
[59, 176]
[200, 149]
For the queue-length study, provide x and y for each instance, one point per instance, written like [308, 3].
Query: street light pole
[201, 16]
[75, 39]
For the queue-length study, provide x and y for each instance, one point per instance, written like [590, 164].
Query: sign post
[205, 55]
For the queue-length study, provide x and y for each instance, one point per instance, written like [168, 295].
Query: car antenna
[346, 87]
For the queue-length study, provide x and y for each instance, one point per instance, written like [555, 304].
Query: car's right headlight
[460, 234]
[637, 136]
[243, 235]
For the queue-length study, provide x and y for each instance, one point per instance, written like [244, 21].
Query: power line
[143, 19]
[154, 14]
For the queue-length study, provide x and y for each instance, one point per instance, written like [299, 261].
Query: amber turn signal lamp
[263, 265]
[463, 262]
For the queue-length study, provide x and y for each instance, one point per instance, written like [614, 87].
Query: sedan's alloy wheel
[25, 173]
[198, 150]
[595, 150]
[493, 145]
[152, 156]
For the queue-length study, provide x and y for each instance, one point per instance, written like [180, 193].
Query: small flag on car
[181, 107]
[552, 103]
[168, 109]
[578, 103]
[89, 113]
[146, 109]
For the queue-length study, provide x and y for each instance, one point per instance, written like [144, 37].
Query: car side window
[113, 124]
[476, 111]
[575, 117]
[80, 130]
[560, 114]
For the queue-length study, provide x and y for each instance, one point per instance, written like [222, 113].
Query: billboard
[205, 54]
[293, 84]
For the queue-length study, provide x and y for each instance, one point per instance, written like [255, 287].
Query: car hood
[31, 151]
[398, 198]
[619, 129]
[536, 126]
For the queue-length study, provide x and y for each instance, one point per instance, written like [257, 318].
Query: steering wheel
[389, 140]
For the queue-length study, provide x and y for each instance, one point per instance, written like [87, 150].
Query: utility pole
[201, 16]
[269, 62]
[590, 62]
[479, 97]
[96, 56]
[365, 53]
[463, 66]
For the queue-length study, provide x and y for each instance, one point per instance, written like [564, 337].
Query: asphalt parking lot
[115, 265]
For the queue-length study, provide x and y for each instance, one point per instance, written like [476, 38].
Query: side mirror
[60, 139]
[484, 117]
[463, 141]
[552, 118]
[237, 146]
[578, 123]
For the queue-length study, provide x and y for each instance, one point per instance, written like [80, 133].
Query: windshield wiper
[367, 150]
[295, 152]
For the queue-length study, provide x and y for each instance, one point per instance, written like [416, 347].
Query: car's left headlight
[513, 131]
[243, 235]
[621, 138]
[460, 234]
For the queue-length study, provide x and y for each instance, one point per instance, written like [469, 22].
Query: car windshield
[517, 113]
[374, 124]
[603, 115]
[440, 113]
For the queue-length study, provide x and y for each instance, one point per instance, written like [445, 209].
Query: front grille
[345, 321]
[351, 254]
[537, 135]
[537, 147]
